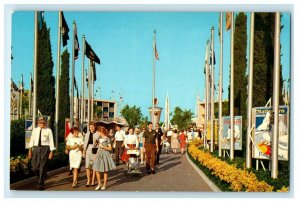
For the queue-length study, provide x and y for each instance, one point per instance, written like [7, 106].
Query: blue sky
[123, 41]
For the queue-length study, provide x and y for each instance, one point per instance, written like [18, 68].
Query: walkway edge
[205, 178]
[22, 183]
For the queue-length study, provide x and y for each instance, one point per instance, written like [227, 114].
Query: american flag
[155, 50]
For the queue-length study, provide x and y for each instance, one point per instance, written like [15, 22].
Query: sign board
[28, 130]
[225, 137]
[67, 127]
[263, 133]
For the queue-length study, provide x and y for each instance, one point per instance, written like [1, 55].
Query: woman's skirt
[103, 162]
[89, 157]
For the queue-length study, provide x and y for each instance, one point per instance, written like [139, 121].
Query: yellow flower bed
[238, 179]
[19, 163]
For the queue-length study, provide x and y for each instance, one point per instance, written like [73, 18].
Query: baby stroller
[165, 146]
[134, 166]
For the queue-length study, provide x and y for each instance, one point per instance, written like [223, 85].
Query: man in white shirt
[41, 147]
[119, 139]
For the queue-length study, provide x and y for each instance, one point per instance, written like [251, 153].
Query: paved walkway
[175, 173]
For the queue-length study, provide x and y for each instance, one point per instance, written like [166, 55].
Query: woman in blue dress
[103, 161]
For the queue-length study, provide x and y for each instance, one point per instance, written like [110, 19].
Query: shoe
[98, 187]
[103, 188]
[87, 185]
[152, 171]
[148, 172]
[41, 187]
[92, 185]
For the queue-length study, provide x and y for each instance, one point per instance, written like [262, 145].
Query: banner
[263, 133]
[67, 127]
[28, 131]
[225, 137]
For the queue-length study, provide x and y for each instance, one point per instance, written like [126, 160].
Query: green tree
[182, 118]
[143, 122]
[264, 59]
[45, 79]
[64, 96]
[132, 115]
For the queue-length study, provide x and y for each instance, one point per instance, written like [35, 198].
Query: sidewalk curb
[205, 178]
[22, 183]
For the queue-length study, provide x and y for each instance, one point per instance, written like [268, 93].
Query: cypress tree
[64, 95]
[45, 78]
[264, 59]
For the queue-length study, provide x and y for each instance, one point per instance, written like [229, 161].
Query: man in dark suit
[159, 134]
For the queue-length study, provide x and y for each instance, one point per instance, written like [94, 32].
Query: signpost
[225, 138]
[263, 133]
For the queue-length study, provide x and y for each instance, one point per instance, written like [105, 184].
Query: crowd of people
[97, 146]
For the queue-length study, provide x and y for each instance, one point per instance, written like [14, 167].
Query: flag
[94, 70]
[90, 53]
[64, 30]
[76, 43]
[228, 20]
[31, 83]
[210, 58]
[86, 79]
[40, 19]
[75, 85]
[154, 45]
[219, 25]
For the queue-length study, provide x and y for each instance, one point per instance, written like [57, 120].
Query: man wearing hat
[41, 147]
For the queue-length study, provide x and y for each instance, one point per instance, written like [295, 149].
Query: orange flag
[228, 20]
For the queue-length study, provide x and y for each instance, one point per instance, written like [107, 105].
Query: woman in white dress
[75, 146]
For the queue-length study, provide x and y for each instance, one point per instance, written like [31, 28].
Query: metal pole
[89, 94]
[92, 91]
[21, 96]
[84, 100]
[153, 80]
[30, 95]
[35, 67]
[72, 78]
[276, 90]
[82, 83]
[57, 78]
[212, 96]
[220, 83]
[250, 94]
[232, 89]
[206, 91]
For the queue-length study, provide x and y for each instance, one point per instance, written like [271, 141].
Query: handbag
[94, 149]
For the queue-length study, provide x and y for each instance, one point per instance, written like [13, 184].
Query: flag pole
[35, 67]
[250, 94]
[220, 84]
[206, 92]
[212, 93]
[21, 95]
[276, 90]
[30, 94]
[92, 90]
[82, 83]
[89, 93]
[153, 80]
[72, 78]
[232, 88]
[57, 78]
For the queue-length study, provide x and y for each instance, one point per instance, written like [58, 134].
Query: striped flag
[76, 43]
[228, 20]
[154, 45]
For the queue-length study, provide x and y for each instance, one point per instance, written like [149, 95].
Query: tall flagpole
[153, 80]
[232, 88]
[72, 78]
[30, 94]
[276, 91]
[35, 67]
[21, 96]
[220, 84]
[57, 78]
[250, 94]
[82, 83]
[212, 93]
[89, 94]
[206, 91]
[92, 90]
